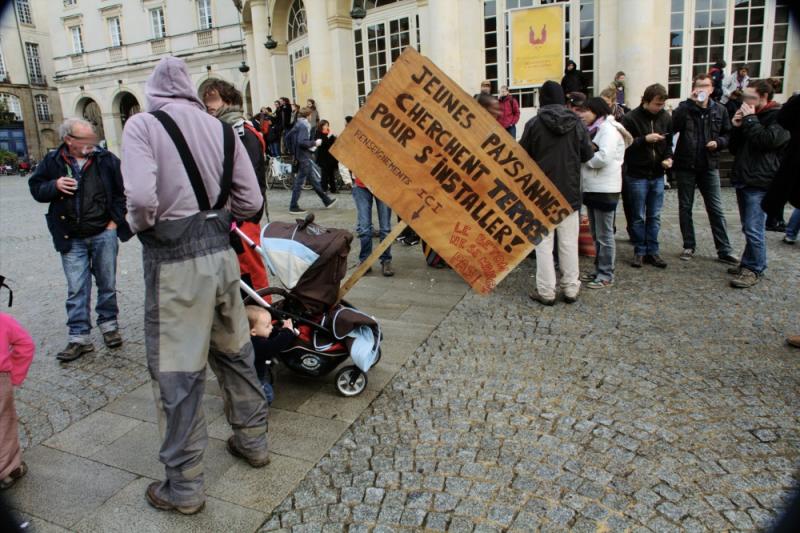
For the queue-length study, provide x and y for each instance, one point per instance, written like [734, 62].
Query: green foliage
[8, 158]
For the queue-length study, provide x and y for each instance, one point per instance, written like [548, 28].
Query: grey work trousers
[194, 315]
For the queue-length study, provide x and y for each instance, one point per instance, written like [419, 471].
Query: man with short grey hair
[83, 185]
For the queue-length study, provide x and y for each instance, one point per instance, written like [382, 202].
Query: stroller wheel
[350, 381]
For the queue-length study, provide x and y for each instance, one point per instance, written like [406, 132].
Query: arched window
[42, 108]
[297, 20]
[11, 103]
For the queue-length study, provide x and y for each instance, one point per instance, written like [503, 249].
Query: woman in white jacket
[601, 179]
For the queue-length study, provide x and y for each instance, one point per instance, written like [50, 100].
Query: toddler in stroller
[310, 261]
[267, 343]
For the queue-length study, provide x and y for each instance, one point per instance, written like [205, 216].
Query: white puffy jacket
[603, 172]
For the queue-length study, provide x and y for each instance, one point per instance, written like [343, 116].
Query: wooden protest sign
[437, 158]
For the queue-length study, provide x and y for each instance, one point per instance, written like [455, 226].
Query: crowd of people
[193, 165]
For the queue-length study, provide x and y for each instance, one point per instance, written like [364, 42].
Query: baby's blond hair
[253, 312]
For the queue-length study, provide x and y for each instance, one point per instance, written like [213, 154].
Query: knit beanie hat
[551, 93]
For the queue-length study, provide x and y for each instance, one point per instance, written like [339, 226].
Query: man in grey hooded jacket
[193, 310]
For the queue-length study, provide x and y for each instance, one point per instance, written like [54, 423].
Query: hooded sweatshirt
[157, 186]
[559, 142]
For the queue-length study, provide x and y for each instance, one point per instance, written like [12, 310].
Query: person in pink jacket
[16, 354]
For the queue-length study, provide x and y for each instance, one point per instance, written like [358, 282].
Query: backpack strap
[186, 157]
[227, 166]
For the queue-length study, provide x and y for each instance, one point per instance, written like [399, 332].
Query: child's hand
[287, 323]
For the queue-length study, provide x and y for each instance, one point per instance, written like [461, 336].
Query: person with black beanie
[559, 142]
[573, 79]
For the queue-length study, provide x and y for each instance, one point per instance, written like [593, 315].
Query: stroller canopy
[308, 259]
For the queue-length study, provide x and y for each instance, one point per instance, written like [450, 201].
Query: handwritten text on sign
[427, 149]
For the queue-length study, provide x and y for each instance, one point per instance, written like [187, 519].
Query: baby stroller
[310, 261]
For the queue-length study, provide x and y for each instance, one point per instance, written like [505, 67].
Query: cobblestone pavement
[666, 403]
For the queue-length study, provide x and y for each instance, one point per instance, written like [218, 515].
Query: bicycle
[279, 172]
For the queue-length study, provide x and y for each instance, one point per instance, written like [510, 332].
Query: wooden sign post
[438, 159]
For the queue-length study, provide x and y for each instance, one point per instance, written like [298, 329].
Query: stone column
[322, 55]
[444, 37]
[344, 68]
[249, 44]
[113, 131]
[262, 63]
[643, 48]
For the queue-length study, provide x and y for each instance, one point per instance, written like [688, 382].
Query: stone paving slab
[62, 488]
[128, 511]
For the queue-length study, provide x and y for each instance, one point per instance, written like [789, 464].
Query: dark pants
[754, 257]
[328, 178]
[512, 130]
[647, 199]
[707, 182]
[308, 171]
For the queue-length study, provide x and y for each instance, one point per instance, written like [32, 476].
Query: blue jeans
[707, 181]
[602, 226]
[307, 172]
[512, 130]
[363, 200]
[646, 197]
[96, 256]
[274, 149]
[754, 221]
[793, 226]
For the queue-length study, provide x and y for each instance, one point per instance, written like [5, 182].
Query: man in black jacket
[758, 142]
[83, 185]
[646, 159]
[704, 128]
[559, 142]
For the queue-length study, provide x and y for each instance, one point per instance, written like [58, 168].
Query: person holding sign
[559, 142]
[363, 198]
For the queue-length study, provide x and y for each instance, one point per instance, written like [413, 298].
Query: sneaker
[793, 341]
[655, 260]
[73, 351]
[297, 211]
[536, 297]
[637, 261]
[14, 476]
[386, 269]
[112, 339]
[236, 452]
[746, 279]
[686, 254]
[600, 284]
[412, 241]
[163, 505]
[789, 240]
[588, 277]
[728, 259]
[570, 299]
[735, 271]
[330, 204]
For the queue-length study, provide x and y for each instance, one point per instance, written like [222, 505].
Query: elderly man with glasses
[83, 185]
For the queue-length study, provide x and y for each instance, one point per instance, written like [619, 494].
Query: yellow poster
[537, 45]
[302, 80]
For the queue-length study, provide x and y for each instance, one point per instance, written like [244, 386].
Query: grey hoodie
[156, 185]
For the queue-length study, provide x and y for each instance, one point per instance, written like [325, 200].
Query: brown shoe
[386, 268]
[794, 341]
[74, 351]
[112, 339]
[746, 279]
[536, 297]
[637, 261]
[236, 452]
[14, 476]
[163, 505]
